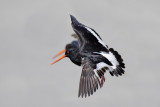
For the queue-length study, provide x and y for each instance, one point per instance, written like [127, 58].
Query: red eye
[67, 51]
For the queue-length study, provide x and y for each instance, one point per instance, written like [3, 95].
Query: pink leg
[102, 81]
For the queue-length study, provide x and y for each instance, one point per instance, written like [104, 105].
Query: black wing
[89, 38]
[90, 78]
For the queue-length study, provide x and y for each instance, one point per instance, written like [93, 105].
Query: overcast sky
[33, 31]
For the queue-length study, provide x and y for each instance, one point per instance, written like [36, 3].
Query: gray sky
[32, 31]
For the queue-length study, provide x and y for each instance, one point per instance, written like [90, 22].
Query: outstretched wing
[91, 78]
[89, 38]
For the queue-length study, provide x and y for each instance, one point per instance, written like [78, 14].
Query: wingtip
[73, 19]
[70, 15]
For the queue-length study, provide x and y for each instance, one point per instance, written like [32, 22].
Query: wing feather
[89, 81]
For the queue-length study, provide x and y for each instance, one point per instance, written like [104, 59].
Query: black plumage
[90, 52]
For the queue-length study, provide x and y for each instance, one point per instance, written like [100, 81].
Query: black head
[71, 48]
[72, 52]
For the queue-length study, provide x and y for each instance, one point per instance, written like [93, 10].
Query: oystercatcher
[90, 52]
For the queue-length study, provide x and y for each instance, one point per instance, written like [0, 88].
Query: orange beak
[59, 53]
[60, 57]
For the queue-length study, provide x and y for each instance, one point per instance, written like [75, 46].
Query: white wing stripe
[102, 65]
[99, 40]
[111, 58]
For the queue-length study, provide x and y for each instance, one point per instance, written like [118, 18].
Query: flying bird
[90, 52]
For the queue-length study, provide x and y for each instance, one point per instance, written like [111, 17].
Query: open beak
[59, 53]
[59, 58]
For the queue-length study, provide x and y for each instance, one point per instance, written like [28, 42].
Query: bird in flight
[90, 52]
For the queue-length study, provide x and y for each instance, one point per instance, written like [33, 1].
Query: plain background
[33, 31]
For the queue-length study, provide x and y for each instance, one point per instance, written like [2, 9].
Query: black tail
[119, 70]
[118, 57]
